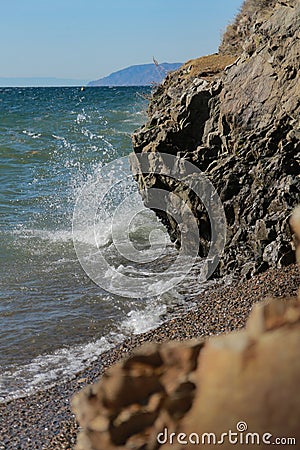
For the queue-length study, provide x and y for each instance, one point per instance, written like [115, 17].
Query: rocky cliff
[171, 395]
[235, 116]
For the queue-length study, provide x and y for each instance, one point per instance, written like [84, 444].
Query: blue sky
[88, 39]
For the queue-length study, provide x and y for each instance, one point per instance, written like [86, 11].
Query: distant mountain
[39, 82]
[139, 75]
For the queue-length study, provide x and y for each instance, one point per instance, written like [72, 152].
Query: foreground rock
[251, 377]
[246, 382]
[236, 118]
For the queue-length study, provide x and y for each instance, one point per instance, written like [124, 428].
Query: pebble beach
[44, 420]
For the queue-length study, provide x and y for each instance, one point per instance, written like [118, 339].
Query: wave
[32, 134]
[45, 235]
[40, 267]
[82, 117]
[46, 370]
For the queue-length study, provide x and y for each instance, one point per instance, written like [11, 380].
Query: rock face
[246, 382]
[237, 119]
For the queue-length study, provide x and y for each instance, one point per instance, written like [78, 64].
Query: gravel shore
[44, 420]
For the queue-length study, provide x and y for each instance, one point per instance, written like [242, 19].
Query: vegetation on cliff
[235, 38]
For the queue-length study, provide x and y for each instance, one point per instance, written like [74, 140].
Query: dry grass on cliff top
[241, 28]
[207, 66]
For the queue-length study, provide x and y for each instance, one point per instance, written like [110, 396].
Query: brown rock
[120, 389]
[295, 223]
[257, 384]
[138, 397]
[179, 362]
[249, 376]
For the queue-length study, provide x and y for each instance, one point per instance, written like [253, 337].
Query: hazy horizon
[40, 82]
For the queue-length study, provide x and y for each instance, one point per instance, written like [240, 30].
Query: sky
[89, 39]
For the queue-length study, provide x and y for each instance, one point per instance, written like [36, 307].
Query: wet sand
[44, 420]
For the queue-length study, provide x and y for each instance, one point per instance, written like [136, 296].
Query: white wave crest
[32, 134]
[45, 370]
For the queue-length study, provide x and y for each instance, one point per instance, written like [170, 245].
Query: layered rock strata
[236, 118]
[246, 382]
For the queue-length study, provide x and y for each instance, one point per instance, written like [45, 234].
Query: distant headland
[138, 75]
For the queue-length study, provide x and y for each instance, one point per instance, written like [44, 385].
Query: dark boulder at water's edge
[138, 75]
[237, 118]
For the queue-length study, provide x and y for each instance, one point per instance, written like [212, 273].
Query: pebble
[44, 420]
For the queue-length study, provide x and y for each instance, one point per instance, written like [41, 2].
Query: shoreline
[44, 420]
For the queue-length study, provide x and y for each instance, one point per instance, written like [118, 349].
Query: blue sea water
[54, 319]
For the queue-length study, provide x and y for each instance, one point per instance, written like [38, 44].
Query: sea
[54, 318]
